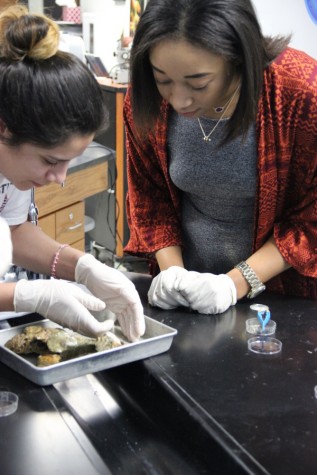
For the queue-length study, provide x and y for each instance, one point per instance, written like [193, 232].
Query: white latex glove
[208, 293]
[164, 291]
[116, 290]
[5, 247]
[63, 303]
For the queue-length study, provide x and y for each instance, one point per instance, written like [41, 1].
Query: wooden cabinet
[70, 224]
[62, 210]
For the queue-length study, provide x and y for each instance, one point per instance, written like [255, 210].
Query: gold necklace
[206, 138]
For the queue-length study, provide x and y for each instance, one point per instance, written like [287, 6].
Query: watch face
[254, 292]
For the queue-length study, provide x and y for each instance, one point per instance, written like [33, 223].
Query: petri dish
[264, 345]
[259, 307]
[8, 403]
[254, 327]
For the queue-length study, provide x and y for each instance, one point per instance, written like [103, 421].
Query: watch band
[250, 276]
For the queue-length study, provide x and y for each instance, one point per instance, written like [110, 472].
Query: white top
[14, 203]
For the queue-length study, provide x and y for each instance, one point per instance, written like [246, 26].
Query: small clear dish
[254, 327]
[259, 307]
[264, 345]
[8, 403]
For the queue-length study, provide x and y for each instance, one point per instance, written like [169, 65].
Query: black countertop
[207, 406]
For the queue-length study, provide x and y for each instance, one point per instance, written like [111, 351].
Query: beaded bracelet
[56, 258]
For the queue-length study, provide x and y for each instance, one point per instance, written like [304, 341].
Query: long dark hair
[224, 27]
[46, 95]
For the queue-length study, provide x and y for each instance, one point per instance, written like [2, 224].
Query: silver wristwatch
[250, 276]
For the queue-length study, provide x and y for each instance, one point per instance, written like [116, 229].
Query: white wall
[112, 18]
[276, 17]
[35, 6]
[288, 16]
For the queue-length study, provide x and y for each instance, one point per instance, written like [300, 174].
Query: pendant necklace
[220, 109]
[206, 138]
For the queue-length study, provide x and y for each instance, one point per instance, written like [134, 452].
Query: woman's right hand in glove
[164, 291]
[63, 303]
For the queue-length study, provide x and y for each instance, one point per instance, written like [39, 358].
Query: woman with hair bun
[51, 107]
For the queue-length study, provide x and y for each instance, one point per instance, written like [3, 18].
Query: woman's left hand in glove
[116, 290]
[208, 293]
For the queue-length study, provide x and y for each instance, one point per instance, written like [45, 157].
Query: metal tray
[157, 339]
[8, 315]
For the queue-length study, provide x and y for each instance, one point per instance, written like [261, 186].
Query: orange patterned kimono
[286, 201]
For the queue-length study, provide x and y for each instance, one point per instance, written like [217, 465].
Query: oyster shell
[107, 341]
[48, 359]
[70, 344]
[58, 344]
[64, 340]
[32, 340]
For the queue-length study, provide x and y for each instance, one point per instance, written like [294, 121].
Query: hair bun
[25, 35]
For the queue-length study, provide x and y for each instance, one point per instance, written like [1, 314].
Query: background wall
[276, 17]
[112, 18]
[291, 16]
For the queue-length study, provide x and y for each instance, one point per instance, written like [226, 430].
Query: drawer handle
[76, 226]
